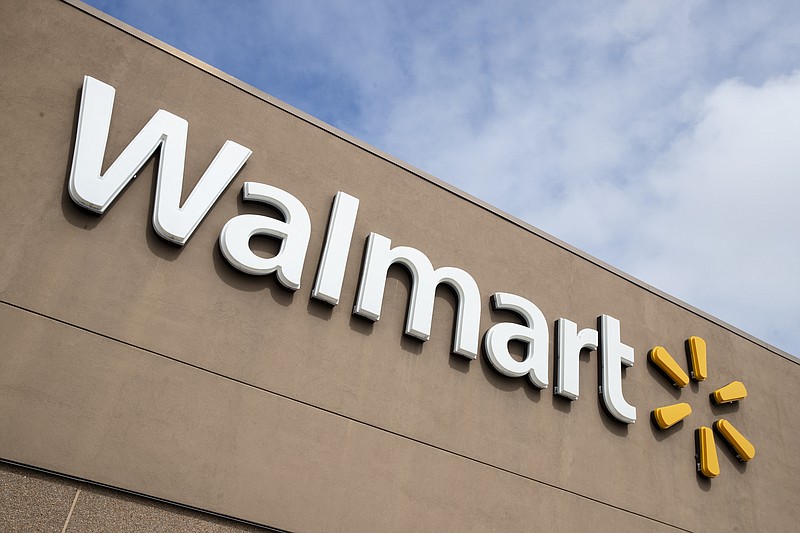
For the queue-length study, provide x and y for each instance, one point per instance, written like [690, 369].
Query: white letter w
[89, 189]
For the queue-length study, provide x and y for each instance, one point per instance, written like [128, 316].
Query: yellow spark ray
[708, 464]
[741, 446]
[670, 415]
[697, 354]
[732, 392]
[660, 357]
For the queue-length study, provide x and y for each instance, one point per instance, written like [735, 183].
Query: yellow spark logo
[669, 415]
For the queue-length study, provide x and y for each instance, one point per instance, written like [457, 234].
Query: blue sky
[674, 127]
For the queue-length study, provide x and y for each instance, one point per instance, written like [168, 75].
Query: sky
[671, 127]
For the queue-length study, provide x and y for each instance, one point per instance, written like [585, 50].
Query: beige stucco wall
[161, 370]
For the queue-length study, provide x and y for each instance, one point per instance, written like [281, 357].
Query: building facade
[266, 322]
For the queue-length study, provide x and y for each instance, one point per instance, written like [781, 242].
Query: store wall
[138, 364]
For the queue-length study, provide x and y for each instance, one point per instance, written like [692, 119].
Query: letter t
[613, 355]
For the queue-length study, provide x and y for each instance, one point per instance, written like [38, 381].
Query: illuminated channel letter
[732, 392]
[613, 355]
[744, 450]
[661, 358]
[95, 191]
[234, 240]
[669, 415]
[534, 334]
[379, 256]
[706, 451]
[697, 354]
[330, 275]
[569, 343]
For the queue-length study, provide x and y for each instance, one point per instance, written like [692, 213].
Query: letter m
[379, 256]
[95, 191]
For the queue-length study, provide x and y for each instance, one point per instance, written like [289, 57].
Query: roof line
[261, 95]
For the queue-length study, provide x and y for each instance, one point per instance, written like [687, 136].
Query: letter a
[234, 240]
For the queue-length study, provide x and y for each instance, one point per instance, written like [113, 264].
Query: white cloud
[621, 133]
[723, 227]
